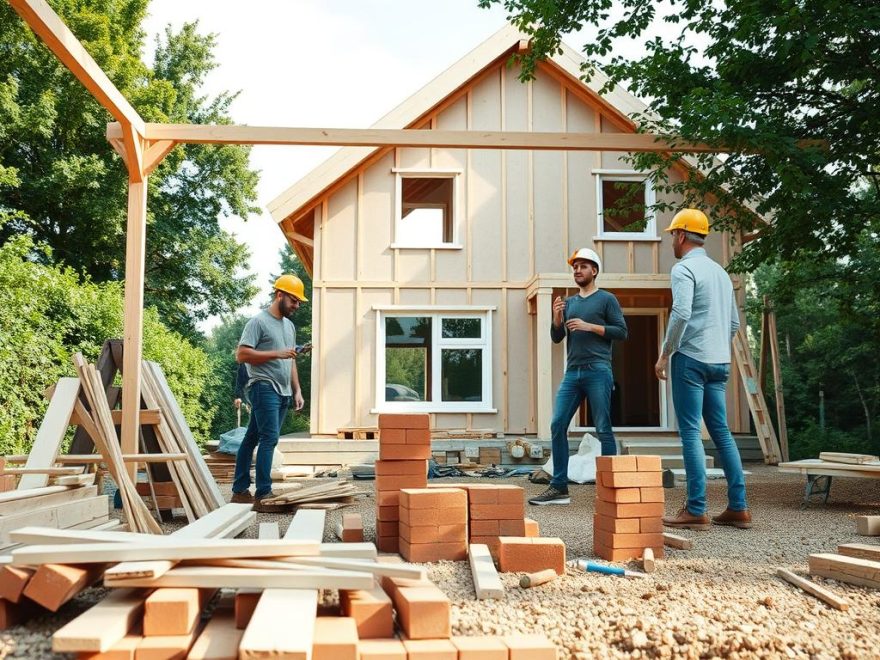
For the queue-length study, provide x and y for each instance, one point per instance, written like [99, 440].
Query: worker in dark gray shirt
[590, 321]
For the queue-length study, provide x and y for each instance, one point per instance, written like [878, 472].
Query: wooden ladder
[755, 395]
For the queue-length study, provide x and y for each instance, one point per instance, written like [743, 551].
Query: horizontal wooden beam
[376, 137]
[77, 459]
[49, 27]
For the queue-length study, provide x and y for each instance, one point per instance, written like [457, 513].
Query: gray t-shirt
[266, 333]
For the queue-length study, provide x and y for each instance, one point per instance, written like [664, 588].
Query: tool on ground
[593, 567]
[534, 579]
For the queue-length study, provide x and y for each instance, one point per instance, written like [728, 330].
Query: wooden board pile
[629, 507]
[854, 563]
[221, 466]
[330, 495]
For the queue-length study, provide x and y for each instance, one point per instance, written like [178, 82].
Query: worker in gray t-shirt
[268, 348]
[589, 322]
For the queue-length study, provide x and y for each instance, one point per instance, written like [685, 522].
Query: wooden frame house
[435, 268]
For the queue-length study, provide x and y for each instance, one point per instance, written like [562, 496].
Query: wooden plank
[487, 582]
[101, 626]
[49, 27]
[25, 501]
[407, 571]
[850, 459]
[846, 569]
[217, 577]
[676, 541]
[51, 433]
[812, 588]
[75, 480]
[43, 471]
[385, 137]
[59, 515]
[860, 550]
[868, 525]
[48, 535]
[306, 525]
[269, 530]
[269, 633]
[219, 640]
[147, 416]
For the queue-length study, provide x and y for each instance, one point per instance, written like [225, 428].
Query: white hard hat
[588, 254]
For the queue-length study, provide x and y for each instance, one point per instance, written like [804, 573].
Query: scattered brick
[423, 612]
[336, 638]
[371, 611]
[529, 555]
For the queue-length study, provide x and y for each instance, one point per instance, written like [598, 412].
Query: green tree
[61, 183]
[221, 346]
[758, 76]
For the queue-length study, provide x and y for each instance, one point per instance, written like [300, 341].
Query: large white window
[426, 209]
[433, 359]
[624, 201]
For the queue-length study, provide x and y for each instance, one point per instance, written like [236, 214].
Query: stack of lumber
[330, 495]
[221, 466]
[404, 450]
[854, 563]
[629, 507]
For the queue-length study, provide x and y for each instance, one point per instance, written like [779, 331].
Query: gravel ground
[720, 599]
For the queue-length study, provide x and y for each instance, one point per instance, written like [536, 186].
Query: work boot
[551, 496]
[244, 497]
[262, 505]
[684, 519]
[730, 518]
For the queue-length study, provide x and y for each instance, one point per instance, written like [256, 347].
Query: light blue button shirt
[704, 314]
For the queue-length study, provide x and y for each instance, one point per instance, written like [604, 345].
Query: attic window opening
[625, 207]
[426, 210]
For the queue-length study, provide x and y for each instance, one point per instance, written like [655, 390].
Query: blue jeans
[698, 391]
[268, 409]
[594, 382]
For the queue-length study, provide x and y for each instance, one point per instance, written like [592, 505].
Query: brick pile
[404, 447]
[433, 524]
[629, 507]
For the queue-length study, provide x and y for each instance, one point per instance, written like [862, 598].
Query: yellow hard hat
[690, 220]
[293, 285]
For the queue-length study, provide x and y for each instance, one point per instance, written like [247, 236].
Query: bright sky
[337, 63]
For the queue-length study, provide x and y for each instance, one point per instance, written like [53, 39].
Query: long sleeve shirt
[704, 314]
[583, 348]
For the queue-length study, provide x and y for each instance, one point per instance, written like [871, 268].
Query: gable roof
[299, 197]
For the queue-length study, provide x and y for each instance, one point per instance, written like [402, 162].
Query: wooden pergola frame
[142, 147]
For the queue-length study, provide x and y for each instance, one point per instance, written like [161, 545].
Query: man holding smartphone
[268, 348]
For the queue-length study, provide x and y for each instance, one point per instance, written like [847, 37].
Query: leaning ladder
[755, 395]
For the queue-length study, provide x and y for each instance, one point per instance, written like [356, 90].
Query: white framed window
[426, 209]
[433, 359]
[625, 201]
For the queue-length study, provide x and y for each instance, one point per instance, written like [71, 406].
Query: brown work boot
[740, 519]
[684, 519]
[244, 497]
[263, 505]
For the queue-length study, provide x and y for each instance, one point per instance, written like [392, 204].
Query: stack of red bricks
[404, 447]
[433, 524]
[629, 507]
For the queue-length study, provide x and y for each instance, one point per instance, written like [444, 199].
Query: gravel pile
[720, 599]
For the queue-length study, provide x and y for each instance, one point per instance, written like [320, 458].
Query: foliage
[757, 76]
[50, 312]
[61, 184]
[221, 347]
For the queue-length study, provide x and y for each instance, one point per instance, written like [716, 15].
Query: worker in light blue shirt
[703, 321]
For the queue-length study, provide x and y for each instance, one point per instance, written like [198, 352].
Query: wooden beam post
[544, 362]
[133, 320]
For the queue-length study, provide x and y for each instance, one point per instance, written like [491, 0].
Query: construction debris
[530, 580]
[812, 588]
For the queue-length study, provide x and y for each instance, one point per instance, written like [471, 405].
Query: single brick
[632, 479]
[171, 611]
[432, 498]
[400, 421]
[392, 436]
[415, 517]
[381, 649]
[52, 585]
[388, 543]
[434, 533]
[418, 437]
[649, 526]
[616, 525]
[371, 611]
[13, 580]
[388, 513]
[530, 647]
[649, 463]
[352, 528]
[388, 498]
[404, 452]
[616, 464]
[487, 528]
[512, 527]
[336, 638]
[480, 648]
[623, 554]
[617, 495]
[616, 541]
[497, 511]
[652, 494]
[422, 553]
[430, 649]
[641, 510]
[529, 555]
[401, 481]
[393, 468]
[532, 527]
[423, 612]
[245, 603]
[387, 528]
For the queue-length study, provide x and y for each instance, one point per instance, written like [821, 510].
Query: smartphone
[303, 348]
